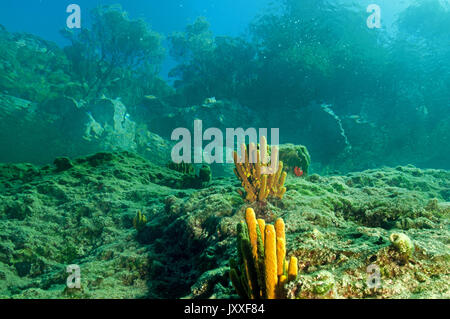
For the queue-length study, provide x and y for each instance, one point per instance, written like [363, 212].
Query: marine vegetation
[32, 68]
[115, 54]
[261, 271]
[185, 168]
[139, 221]
[338, 225]
[274, 72]
[294, 156]
[190, 178]
[207, 64]
[258, 186]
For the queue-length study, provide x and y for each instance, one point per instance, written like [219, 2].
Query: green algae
[335, 225]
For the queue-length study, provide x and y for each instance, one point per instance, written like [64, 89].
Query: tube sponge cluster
[261, 271]
[139, 221]
[258, 186]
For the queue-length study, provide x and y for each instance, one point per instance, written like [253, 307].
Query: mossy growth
[324, 283]
[184, 168]
[295, 156]
[62, 164]
[190, 178]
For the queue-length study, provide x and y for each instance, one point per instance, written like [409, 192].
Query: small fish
[210, 100]
[359, 120]
[422, 110]
[21, 43]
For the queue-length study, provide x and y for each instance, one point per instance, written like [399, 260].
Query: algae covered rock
[62, 164]
[190, 178]
[208, 281]
[403, 244]
[295, 156]
[320, 284]
[204, 174]
[25, 71]
[323, 283]
[84, 215]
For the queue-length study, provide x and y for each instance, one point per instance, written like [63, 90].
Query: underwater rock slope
[81, 212]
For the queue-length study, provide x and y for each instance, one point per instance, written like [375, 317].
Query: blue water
[385, 85]
[46, 17]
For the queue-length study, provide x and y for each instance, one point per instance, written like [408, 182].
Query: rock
[204, 174]
[62, 164]
[208, 281]
[402, 244]
[323, 283]
[295, 156]
[222, 114]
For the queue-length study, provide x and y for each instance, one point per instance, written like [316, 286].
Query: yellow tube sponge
[281, 255]
[263, 189]
[281, 245]
[262, 227]
[280, 289]
[280, 228]
[248, 169]
[261, 270]
[139, 221]
[270, 262]
[250, 219]
[293, 269]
